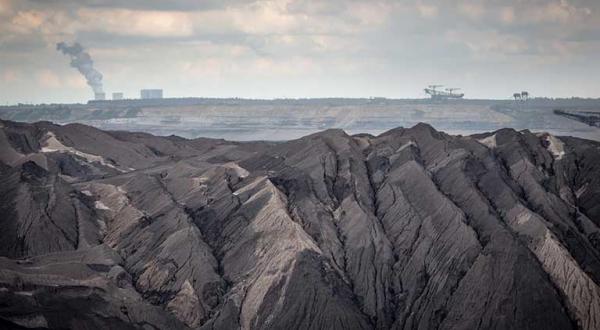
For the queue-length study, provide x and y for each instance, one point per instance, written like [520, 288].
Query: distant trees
[522, 96]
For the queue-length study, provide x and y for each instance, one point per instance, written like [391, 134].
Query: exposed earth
[410, 229]
[285, 119]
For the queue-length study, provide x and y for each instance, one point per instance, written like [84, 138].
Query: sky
[301, 48]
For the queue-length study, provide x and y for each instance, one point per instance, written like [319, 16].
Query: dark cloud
[140, 4]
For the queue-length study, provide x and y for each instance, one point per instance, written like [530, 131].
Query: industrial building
[99, 96]
[151, 94]
[117, 96]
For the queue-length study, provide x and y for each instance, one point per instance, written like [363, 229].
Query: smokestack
[82, 61]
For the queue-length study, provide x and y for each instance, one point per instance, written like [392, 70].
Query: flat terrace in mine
[284, 119]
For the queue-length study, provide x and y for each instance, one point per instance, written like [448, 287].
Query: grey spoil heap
[410, 229]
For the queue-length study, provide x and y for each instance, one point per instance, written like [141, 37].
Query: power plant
[146, 94]
[446, 94]
[82, 61]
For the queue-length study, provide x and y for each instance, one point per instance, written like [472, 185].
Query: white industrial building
[151, 94]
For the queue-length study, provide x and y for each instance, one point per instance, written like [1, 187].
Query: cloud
[187, 45]
[5, 8]
[472, 10]
[268, 18]
[561, 12]
[135, 22]
[48, 79]
[75, 81]
[507, 15]
[150, 5]
[427, 10]
[10, 76]
[27, 21]
[219, 25]
[315, 7]
[490, 46]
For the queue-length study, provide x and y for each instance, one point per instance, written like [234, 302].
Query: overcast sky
[301, 48]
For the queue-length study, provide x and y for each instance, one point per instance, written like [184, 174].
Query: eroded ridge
[411, 229]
